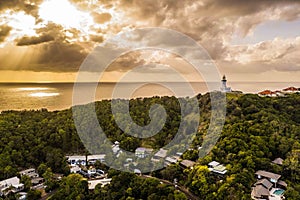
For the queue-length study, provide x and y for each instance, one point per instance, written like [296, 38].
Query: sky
[48, 40]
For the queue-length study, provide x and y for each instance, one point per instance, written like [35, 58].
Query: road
[187, 193]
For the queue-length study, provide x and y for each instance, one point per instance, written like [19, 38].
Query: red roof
[290, 89]
[266, 92]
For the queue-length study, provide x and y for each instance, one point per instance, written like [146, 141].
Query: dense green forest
[257, 130]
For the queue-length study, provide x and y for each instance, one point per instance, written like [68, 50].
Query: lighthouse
[224, 87]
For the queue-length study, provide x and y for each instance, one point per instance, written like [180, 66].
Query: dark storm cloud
[52, 51]
[60, 56]
[211, 22]
[27, 41]
[55, 56]
[4, 32]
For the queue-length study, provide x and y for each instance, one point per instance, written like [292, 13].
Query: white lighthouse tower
[224, 87]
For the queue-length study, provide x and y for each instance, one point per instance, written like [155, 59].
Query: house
[217, 168]
[261, 174]
[187, 163]
[27, 172]
[92, 183]
[31, 173]
[279, 93]
[22, 196]
[267, 93]
[81, 160]
[213, 164]
[262, 189]
[75, 169]
[170, 160]
[158, 156]
[76, 160]
[10, 185]
[290, 90]
[268, 186]
[142, 152]
[278, 161]
[37, 181]
[92, 159]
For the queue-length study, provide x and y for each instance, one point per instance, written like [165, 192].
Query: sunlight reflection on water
[32, 88]
[43, 94]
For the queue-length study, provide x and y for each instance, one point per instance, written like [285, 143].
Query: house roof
[140, 149]
[11, 181]
[37, 180]
[213, 163]
[219, 168]
[268, 174]
[264, 182]
[171, 160]
[188, 163]
[76, 157]
[259, 191]
[278, 161]
[161, 153]
[179, 153]
[26, 171]
[96, 157]
[266, 92]
[290, 89]
[282, 183]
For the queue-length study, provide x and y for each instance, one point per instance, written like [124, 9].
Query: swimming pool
[278, 192]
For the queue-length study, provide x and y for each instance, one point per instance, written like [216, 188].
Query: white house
[97, 157]
[75, 169]
[13, 182]
[74, 160]
[31, 173]
[217, 168]
[142, 152]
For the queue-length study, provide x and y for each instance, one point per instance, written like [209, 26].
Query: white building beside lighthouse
[224, 87]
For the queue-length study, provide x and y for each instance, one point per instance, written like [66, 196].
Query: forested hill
[257, 130]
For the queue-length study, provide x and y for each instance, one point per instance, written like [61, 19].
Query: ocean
[58, 96]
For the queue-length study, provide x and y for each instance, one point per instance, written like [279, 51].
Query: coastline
[59, 96]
